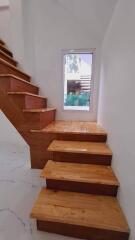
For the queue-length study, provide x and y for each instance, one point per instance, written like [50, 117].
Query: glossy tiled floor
[19, 187]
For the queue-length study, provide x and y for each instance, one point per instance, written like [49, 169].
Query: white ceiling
[95, 14]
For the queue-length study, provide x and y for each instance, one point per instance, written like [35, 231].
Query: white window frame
[77, 51]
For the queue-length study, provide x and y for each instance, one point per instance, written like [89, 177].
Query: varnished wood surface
[39, 118]
[25, 93]
[74, 127]
[12, 76]
[5, 50]
[87, 158]
[40, 110]
[81, 232]
[79, 172]
[28, 100]
[15, 84]
[7, 58]
[80, 147]
[6, 68]
[82, 178]
[87, 210]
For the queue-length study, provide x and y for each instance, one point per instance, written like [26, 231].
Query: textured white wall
[117, 98]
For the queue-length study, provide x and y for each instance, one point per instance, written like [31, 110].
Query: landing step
[75, 127]
[82, 152]
[75, 130]
[80, 215]
[85, 178]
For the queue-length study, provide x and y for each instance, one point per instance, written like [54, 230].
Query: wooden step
[39, 118]
[27, 100]
[85, 178]
[75, 130]
[5, 50]
[81, 152]
[84, 216]
[7, 58]
[62, 130]
[6, 68]
[2, 42]
[11, 83]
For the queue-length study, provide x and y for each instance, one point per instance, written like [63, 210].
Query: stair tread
[2, 42]
[87, 173]
[8, 56]
[10, 65]
[18, 78]
[39, 110]
[74, 127]
[79, 147]
[2, 46]
[80, 209]
[26, 93]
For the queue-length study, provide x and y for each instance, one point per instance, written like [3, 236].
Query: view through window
[77, 80]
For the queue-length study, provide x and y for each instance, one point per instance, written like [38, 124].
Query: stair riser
[18, 86]
[3, 49]
[80, 232]
[79, 137]
[39, 120]
[9, 84]
[7, 59]
[39, 158]
[28, 102]
[5, 69]
[91, 188]
[82, 158]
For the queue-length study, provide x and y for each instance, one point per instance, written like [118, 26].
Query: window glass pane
[77, 81]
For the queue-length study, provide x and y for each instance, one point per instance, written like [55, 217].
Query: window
[77, 80]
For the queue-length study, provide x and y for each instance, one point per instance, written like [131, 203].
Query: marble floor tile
[19, 187]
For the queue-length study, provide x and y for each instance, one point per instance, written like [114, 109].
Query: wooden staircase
[81, 188]
[24, 107]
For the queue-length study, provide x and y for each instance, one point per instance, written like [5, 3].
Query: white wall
[53, 25]
[4, 20]
[8, 134]
[16, 31]
[117, 98]
[4, 3]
